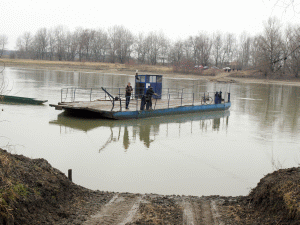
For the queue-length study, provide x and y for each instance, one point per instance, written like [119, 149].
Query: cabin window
[159, 79]
[152, 79]
[142, 79]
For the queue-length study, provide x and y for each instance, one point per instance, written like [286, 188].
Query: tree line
[274, 51]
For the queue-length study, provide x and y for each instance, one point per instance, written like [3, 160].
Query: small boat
[21, 100]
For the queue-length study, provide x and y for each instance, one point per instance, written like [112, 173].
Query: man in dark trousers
[149, 94]
[128, 94]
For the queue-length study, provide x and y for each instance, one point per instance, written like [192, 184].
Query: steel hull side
[86, 113]
[170, 111]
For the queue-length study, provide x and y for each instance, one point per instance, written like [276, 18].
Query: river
[220, 153]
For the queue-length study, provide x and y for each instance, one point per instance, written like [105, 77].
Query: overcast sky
[176, 19]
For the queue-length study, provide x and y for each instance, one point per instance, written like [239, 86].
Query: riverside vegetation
[274, 51]
[117, 68]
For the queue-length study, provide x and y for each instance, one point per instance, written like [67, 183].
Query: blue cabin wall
[142, 82]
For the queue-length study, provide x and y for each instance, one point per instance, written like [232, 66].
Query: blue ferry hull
[123, 115]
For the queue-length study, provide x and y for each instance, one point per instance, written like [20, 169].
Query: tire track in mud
[200, 211]
[215, 213]
[189, 213]
[121, 209]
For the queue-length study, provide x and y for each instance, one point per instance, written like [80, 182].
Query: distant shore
[98, 67]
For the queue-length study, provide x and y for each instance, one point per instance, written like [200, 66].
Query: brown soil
[33, 192]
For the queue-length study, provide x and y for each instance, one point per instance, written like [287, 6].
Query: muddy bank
[213, 76]
[33, 192]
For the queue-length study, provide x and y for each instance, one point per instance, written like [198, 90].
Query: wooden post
[70, 174]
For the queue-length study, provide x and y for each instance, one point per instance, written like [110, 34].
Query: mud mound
[33, 192]
[277, 196]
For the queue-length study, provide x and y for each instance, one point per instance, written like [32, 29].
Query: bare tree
[52, 44]
[99, 45]
[154, 46]
[79, 38]
[293, 50]
[244, 50]
[121, 44]
[177, 52]
[60, 42]
[287, 39]
[188, 49]
[286, 4]
[85, 40]
[202, 49]
[113, 43]
[269, 44]
[3, 43]
[24, 45]
[125, 43]
[164, 48]
[71, 45]
[41, 42]
[141, 49]
[218, 49]
[229, 48]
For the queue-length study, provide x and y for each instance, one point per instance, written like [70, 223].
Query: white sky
[177, 19]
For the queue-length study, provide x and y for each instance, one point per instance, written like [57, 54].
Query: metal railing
[169, 95]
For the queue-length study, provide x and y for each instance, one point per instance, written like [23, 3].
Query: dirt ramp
[121, 209]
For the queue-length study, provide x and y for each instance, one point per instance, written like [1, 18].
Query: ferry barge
[110, 102]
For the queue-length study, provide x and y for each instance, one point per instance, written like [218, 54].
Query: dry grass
[244, 73]
[290, 193]
[90, 66]
[278, 194]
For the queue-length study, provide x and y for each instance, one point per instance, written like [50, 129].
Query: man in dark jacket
[128, 94]
[149, 94]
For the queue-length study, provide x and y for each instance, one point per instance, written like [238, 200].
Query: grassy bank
[85, 66]
[102, 67]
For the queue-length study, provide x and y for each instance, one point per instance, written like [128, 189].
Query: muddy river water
[220, 153]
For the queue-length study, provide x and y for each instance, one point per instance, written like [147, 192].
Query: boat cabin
[142, 83]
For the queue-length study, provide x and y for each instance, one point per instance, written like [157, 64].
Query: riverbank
[97, 67]
[33, 192]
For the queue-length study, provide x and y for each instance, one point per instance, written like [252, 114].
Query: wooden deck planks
[107, 105]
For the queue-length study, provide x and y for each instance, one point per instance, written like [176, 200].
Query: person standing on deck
[128, 94]
[149, 94]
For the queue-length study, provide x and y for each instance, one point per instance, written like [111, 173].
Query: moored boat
[21, 100]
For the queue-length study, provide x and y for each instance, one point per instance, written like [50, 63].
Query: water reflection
[276, 107]
[144, 129]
